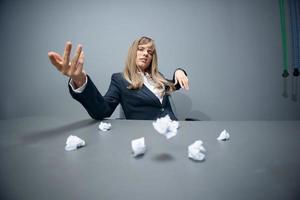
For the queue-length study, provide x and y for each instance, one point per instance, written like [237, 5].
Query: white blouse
[149, 84]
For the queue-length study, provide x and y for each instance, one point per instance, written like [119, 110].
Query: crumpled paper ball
[166, 126]
[73, 142]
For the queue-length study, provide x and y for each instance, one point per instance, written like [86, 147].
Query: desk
[260, 161]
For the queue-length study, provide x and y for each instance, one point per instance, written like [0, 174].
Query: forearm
[92, 100]
[75, 88]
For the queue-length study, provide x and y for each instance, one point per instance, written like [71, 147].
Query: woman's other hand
[182, 79]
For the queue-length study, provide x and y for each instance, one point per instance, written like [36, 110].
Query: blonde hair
[131, 71]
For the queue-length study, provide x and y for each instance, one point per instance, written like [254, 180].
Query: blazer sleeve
[98, 106]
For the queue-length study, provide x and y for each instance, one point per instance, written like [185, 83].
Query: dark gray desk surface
[261, 161]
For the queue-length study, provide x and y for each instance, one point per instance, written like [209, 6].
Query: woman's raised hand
[71, 68]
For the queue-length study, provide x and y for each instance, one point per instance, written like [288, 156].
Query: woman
[142, 91]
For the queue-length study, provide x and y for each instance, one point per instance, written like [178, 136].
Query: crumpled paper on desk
[73, 142]
[104, 126]
[138, 146]
[224, 135]
[196, 151]
[166, 126]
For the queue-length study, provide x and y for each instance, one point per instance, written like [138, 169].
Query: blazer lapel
[165, 98]
[150, 94]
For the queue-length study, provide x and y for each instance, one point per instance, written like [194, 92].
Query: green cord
[283, 35]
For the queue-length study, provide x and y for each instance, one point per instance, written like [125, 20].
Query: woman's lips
[143, 60]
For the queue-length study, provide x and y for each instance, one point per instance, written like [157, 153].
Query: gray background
[231, 50]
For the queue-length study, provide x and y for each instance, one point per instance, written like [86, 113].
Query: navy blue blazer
[137, 104]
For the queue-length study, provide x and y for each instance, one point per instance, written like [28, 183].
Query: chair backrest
[118, 113]
[121, 112]
[182, 107]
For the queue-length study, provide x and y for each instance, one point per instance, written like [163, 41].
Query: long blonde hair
[131, 71]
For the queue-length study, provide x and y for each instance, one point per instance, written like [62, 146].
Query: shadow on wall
[182, 107]
[294, 89]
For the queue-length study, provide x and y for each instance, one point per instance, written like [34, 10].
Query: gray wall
[231, 50]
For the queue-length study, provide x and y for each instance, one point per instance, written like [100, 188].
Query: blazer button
[162, 110]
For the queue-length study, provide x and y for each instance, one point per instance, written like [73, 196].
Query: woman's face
[144, 55]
